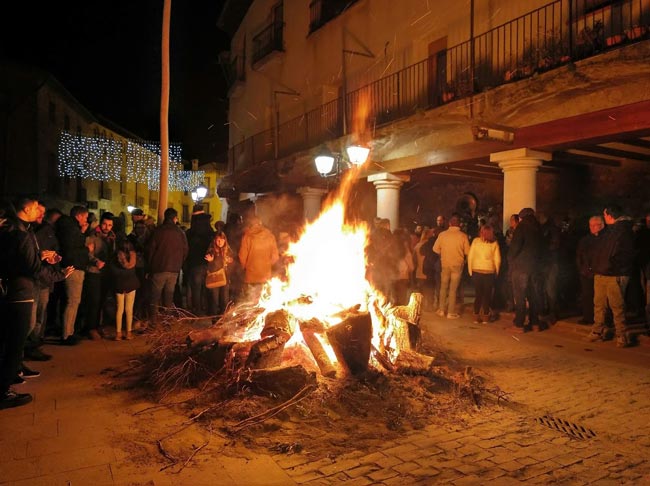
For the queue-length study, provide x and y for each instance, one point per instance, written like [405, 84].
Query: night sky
[107, 54]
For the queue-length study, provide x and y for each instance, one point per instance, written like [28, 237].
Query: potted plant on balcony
[636, 32]
[448, 92]
[590, 40]
[553, 52]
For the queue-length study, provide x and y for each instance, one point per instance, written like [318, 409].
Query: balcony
[269, 40]
[558, 33]
[322, 11]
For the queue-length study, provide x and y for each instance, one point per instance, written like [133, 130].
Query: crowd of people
[538, 269]
[70, 276]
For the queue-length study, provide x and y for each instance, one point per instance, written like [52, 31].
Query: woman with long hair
[483, 264]
[219, 256]
[125, 283]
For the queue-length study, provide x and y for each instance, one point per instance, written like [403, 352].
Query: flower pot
[614, 40]
[636, 32]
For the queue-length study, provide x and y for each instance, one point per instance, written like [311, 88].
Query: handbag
[216, 279]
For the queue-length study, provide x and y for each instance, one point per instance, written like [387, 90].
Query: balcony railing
[268, 40]
[543, 39]
[322, 11]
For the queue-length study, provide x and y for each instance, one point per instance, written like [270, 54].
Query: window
[186, 213]
[153, 203]
[139, 201]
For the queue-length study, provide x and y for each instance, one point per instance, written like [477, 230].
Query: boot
[485, 318]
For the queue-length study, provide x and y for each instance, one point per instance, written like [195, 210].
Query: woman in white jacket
[483, 263]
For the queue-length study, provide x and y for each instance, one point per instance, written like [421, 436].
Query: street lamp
[130, 208]
[329, 164]
[199, 193]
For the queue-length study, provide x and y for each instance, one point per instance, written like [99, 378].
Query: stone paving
[74, 431]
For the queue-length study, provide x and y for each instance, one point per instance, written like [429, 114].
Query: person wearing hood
[614, 262]
[524, 256]
[257, 255]
[199, 237]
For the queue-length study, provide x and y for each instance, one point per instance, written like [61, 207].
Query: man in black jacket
[613, 264]
[166, 251]
[585, 254]
[19, 267]
[524, 256]
[70, 230]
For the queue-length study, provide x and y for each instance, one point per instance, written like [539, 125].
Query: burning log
[267, 352]
[281, 382]
[406, 323]
[351, 341]
[311, 339]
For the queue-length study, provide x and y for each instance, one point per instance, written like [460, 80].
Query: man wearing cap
[524, 255]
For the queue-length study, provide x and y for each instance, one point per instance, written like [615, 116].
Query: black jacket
[166, 249]
[21, 262]
[199, 238]
[73, 243]
[526, 249]
[616, 253]
[586, 254]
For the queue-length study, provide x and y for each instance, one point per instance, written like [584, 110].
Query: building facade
[514, 102]
[36, 110]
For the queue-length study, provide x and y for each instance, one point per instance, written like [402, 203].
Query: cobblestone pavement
[554, 374]
[73, 432]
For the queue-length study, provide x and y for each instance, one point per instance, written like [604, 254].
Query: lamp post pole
[164, 114]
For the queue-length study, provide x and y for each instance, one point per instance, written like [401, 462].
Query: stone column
[311, 201]
[388, 187]
[519, 168]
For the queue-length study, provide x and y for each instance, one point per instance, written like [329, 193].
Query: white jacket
[484, 257]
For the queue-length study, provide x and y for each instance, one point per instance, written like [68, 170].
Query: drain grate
[569, 428]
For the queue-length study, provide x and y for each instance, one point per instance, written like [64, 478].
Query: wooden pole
[164, 114]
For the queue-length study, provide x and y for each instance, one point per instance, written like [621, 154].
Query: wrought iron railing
[268, 40]
[322, 11]
[543, 39]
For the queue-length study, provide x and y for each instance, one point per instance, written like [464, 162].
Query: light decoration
[106, 159]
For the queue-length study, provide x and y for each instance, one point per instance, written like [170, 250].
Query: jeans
[73, 288]
[13, 332]
[94, 297]
[449, 282]
[218, 299]
[162, 287]
[124, 306]
[526, 287]
[484, 285]
[196, 281]
[610, 290]
[39, 314]
[587, 298]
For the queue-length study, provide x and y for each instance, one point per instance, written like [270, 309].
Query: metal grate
[569, 428]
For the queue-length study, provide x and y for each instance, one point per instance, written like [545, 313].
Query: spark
[387, 66]
[611, 117]
[252, 116]
[413, 23]
[210, 127]
[515, 338]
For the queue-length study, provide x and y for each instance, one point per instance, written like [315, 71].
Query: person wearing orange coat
[257, 254]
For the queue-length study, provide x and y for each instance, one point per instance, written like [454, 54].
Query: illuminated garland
[106, 159]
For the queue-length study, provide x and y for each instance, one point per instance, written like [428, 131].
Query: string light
[105, 159]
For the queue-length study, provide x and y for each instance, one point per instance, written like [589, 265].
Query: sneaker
[624, 341]
[440, 313]
[35, 354]
[18, 381]
[594, 336]
[70, 341]
[452, 315]
[11, 399]
[25, 372]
